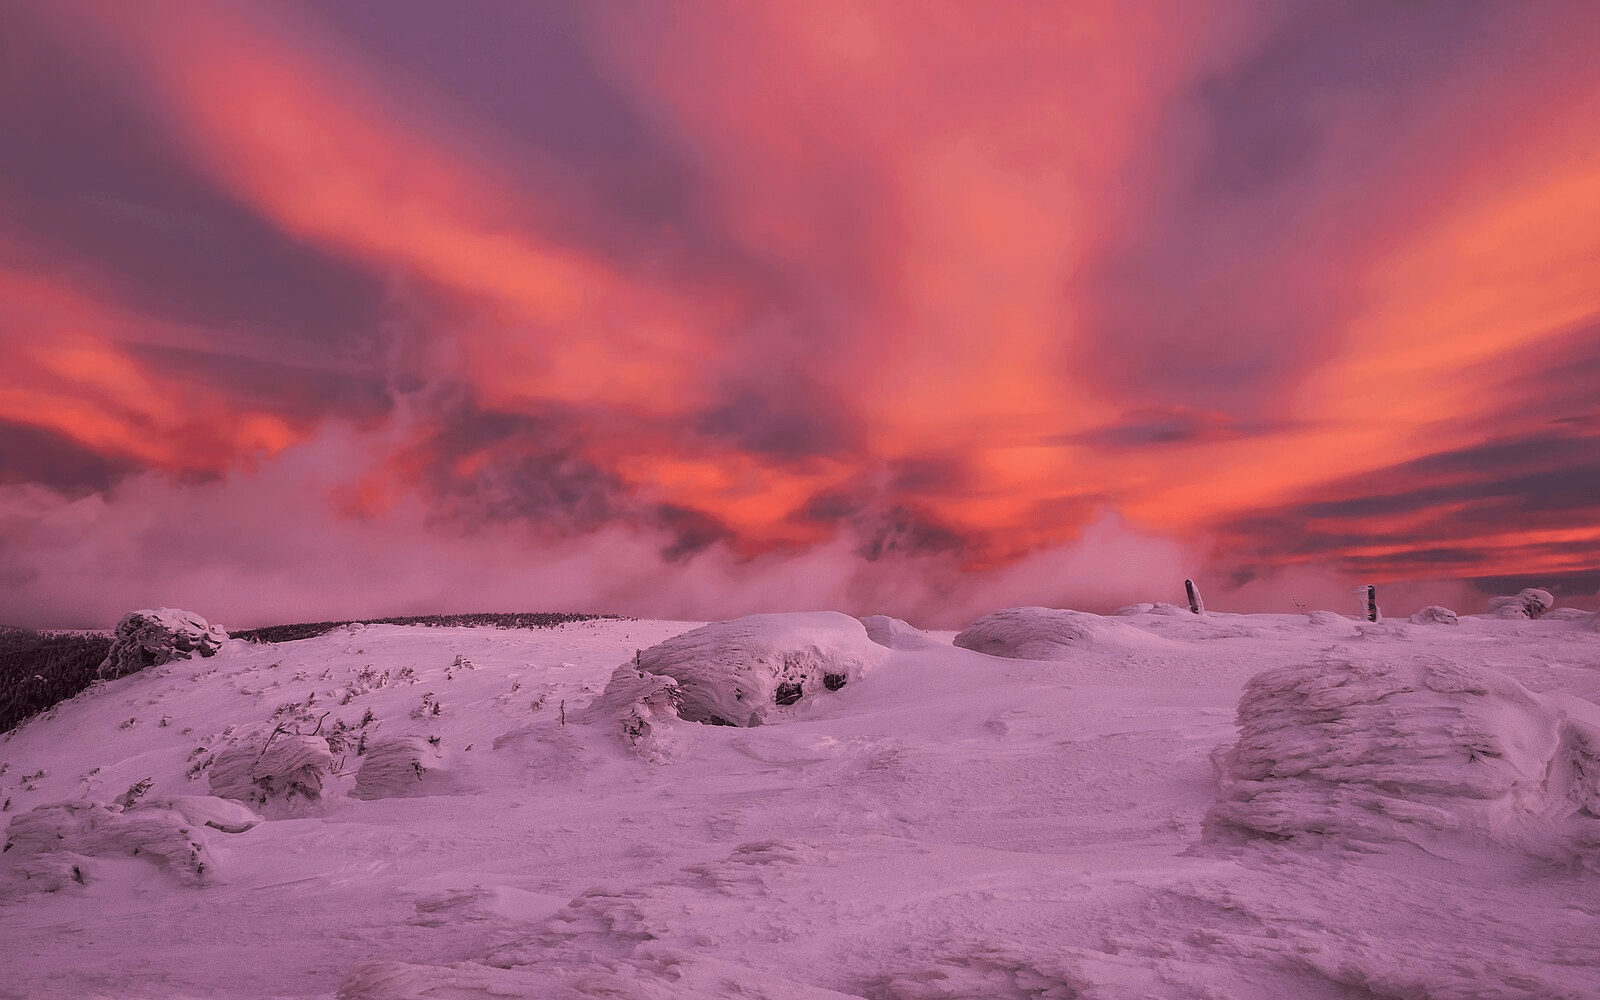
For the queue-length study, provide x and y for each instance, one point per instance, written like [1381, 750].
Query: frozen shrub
[278, 774]
[51, 842]
[399, 767]
[1030, 633]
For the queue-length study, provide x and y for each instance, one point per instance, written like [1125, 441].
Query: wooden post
[1195, 604]
[1372, 603]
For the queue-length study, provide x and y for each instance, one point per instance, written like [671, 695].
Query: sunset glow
[802, 304]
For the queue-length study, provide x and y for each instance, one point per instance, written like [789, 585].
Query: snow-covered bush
[1030, 633]
[743, 672]
[1530, 603]
[637, 701]
[1410, 751]
[399, 767]
[278, 774]
[51, 842]
[1434, 614]
[150, 638]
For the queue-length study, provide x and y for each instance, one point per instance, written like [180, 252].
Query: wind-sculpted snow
[1371, 751]
[746, 671]
[896, 634]
[1057, 634]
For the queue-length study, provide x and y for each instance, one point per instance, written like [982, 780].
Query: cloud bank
[695, 308]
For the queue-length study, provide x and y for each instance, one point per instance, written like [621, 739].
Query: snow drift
[150, 638]
[1031, 633]
[745, 671]
[1370, 752]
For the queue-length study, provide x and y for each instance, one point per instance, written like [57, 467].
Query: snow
[1153, 805]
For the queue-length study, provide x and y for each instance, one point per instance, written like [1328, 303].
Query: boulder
[1435, 614]
[1530, 603]
[152, 637]
[747, 671]
[1371, 752]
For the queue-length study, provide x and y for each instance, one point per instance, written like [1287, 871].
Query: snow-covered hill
[456, 812]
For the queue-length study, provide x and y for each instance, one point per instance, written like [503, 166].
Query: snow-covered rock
[51, 842]
[745, 671]
[1435, 614]
[1387, 751]
[1031, 633]
[399, 767]
[1529, 603]
[278, 774]
[152, 637]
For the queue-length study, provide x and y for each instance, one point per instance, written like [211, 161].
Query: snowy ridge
[947, 824]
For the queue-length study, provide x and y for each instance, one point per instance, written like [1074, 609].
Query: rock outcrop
[152, 637]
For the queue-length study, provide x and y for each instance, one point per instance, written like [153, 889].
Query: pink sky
[698, 308]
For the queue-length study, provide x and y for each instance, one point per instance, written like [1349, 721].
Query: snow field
[946, 824]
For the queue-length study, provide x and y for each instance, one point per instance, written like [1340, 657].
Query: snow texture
[150, 638]
[745, 672]
[947, 826]
[280, 774]
[1382, 751]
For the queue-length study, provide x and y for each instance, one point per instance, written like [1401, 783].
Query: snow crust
[948, 824]
[1056, 634]
[746, 671]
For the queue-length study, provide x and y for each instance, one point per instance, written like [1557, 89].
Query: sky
[692, 308]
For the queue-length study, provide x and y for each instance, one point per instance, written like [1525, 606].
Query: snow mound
[744, 672]
[51, 843]
[1530, 603]
[1434, 614]
[208, 810]
[279, 775]
[1407, 751]
[893, 633]
[1030, 633]
[400, 767]
[150, 638]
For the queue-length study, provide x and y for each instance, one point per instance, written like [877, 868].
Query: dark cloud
[1441, 515]
[90, 175]
[35, 455]
[1157, 426]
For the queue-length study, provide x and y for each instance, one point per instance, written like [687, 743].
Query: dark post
[1195, 603]
[1372, 603]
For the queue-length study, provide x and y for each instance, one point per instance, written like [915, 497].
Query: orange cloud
[64, 368]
